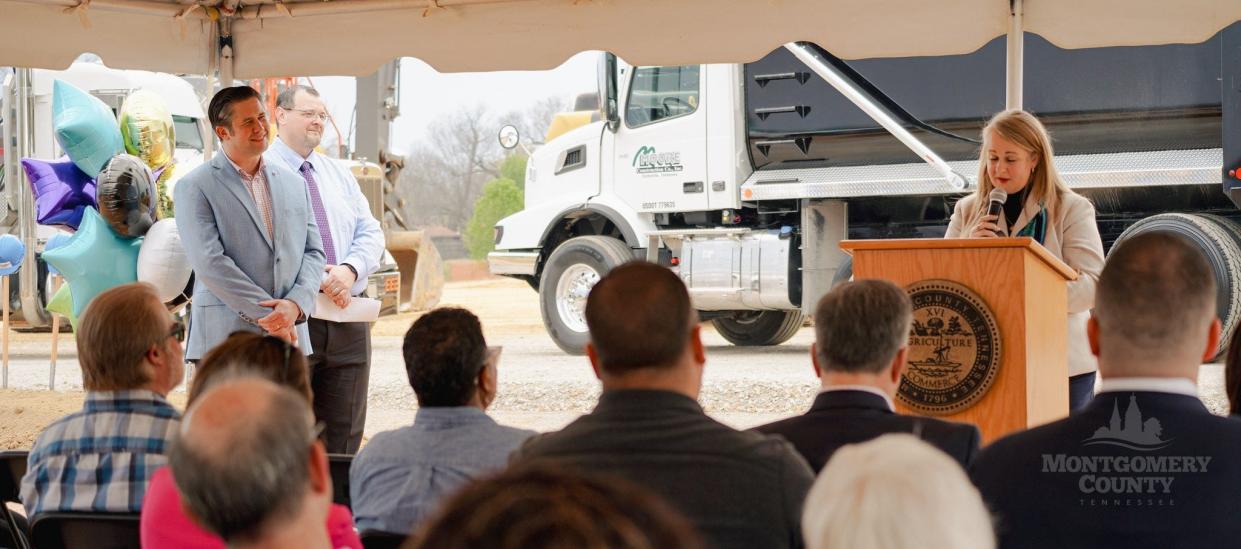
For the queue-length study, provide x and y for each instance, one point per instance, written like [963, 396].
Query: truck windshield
[188, 136]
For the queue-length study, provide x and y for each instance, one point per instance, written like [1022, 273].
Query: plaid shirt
[100, 459]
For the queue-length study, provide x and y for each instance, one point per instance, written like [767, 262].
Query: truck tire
[759, 328]
[572, 270]
[1220, 241]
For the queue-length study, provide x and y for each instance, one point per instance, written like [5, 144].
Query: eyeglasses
[309, 114]
[286, 347]
[177, 330]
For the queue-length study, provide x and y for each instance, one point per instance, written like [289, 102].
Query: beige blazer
[1072, 236]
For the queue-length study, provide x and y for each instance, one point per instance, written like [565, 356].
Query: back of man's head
[639, 316]
[860, 326]
[1154, 305]
[242, 459]
[444, 353]
[116, 331]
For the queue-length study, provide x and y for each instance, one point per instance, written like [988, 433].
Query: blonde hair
[894, 492]
[1025, 130]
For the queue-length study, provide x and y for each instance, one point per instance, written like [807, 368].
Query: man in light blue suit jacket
[249, 234]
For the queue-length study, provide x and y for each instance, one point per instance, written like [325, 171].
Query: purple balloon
[62, 192]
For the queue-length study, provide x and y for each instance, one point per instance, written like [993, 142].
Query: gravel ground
[541, 388]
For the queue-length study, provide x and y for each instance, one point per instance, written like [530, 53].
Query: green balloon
[62, 304]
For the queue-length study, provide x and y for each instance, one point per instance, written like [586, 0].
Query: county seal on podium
[954, 349]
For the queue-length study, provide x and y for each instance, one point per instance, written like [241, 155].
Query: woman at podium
[1017, 158]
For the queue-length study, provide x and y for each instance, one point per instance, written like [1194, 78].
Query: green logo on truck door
[648, 161]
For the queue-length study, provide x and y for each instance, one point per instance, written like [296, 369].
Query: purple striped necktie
[316, 203]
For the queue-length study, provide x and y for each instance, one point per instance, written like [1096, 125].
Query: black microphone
[998, 196]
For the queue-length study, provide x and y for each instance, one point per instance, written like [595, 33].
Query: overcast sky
[427, 93]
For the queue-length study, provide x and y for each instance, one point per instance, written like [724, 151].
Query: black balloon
[126, 195]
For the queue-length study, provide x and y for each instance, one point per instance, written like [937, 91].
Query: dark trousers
[1081, 390]
[340, 371]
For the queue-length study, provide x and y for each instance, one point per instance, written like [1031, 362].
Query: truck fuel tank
[739, 271]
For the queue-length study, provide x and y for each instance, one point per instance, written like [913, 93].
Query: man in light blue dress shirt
[353, 242]
[399, 479]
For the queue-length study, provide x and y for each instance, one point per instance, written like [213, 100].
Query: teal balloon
[95, 259]
[85, 128]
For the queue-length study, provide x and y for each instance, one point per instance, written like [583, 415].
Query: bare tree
[534, 121]
[445, 172]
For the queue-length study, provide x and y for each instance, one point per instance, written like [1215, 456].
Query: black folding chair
[373, 539]
[54, 530]
[12, 469]
[338, 466]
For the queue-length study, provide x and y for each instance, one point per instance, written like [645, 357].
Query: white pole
[5, 334]
[1015, 67]
[51, 375]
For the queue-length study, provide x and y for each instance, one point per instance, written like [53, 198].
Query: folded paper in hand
[360, 309]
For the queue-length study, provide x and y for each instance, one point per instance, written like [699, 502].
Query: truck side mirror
[509, 137]
[607, 90]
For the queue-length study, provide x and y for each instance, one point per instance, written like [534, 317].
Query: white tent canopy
[354, 37]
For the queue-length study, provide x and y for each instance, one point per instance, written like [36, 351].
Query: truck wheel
[759, 328]
[1220, 241]
[572, 270]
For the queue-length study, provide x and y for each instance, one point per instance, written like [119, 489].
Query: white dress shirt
[865, 388]
[1174, 385]
[356, 234]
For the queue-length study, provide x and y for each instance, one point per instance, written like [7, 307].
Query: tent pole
[1015, 67]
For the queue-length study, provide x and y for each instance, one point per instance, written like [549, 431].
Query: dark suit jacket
[1131, 469]
[838, 418]
[740, 489]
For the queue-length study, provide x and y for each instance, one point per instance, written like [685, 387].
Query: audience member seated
[547, 508]
[861, 335]
[100, 459]
[894, 492]
[740, 489]
[243, 354]
[1232, 374]
[1144, 464]
[400, 476]
[250, 467]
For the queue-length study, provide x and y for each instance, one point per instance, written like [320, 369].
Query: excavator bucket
[418, 261]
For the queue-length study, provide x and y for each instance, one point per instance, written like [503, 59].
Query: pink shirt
[164, 525]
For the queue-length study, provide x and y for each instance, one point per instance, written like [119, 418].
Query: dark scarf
[1037, 227]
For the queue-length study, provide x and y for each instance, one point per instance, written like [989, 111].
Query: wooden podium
[952, 356]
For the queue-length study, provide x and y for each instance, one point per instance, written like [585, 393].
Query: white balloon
[162, 262]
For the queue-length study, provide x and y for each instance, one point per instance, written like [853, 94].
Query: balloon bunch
[106, 194]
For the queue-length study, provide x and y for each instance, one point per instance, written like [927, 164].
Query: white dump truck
[743, 178]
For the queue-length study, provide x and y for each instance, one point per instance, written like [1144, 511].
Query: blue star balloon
[85, 128]
[12, 252]
[95, 259]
